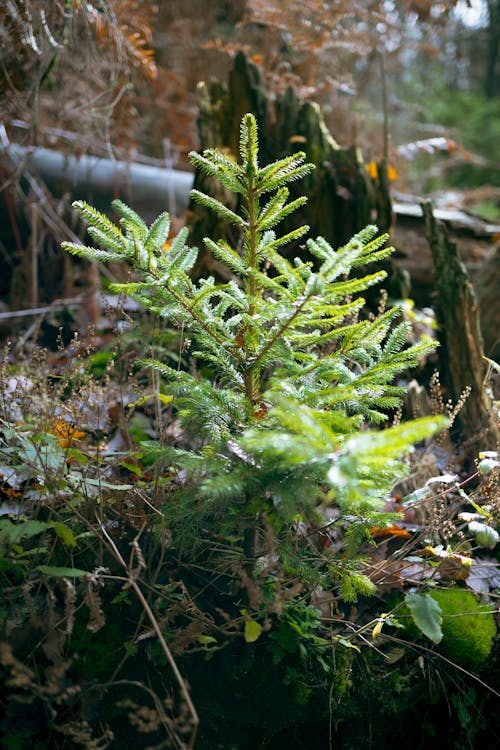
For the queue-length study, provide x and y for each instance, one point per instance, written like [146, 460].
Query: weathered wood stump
[487, 286]
[461, 352]
[342, 198]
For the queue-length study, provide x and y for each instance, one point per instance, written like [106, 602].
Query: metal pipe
[147, 189]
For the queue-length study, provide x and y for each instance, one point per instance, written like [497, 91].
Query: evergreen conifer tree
[289, 378]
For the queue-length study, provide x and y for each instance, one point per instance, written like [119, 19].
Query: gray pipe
[149, 190]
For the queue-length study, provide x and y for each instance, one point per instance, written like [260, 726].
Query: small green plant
[463, 628]
[286, 375]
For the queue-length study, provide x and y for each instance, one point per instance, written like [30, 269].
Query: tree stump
[486, 284]
[342, 198]
[461, 352]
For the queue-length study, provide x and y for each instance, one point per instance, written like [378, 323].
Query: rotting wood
[487, 286]
[461, 352]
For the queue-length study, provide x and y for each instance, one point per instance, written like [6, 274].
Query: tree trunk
[461, 351]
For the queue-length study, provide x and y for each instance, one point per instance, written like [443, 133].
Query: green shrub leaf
[12, 533]
[52, 570]
[426, 614]
[65, 534]
[252, 631]
[485, 535]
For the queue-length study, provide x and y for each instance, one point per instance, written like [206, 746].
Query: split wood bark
[461, 352]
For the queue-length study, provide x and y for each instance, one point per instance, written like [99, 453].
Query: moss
[468, 627]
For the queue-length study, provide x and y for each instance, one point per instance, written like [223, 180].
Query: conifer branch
[298, 305]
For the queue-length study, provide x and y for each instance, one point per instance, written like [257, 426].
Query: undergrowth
[216, 540]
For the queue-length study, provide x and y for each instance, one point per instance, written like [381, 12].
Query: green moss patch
[468, 627]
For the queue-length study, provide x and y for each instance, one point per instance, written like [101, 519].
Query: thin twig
[132, 582]
[418, 647]
[33, 311]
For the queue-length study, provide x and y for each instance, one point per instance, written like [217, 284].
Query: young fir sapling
[288, 378]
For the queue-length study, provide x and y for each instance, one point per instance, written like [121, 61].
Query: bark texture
[461, 352]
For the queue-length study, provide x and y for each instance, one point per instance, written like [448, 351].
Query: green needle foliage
[288, 377]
